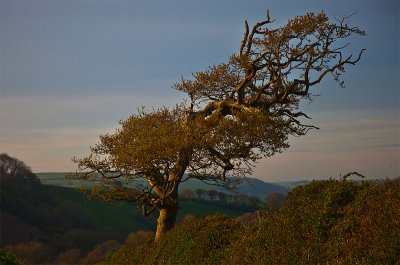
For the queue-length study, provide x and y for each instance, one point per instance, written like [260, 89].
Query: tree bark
[166, 220]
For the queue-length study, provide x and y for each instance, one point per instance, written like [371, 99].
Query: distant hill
[250, 187]
[292, 184]
[257, 187]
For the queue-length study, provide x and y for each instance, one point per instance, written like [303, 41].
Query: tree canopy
[236, 113]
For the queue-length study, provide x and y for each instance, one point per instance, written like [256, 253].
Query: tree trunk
[166, 220]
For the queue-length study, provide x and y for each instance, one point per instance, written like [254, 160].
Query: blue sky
[70, 70]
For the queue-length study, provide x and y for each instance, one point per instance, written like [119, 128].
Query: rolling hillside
[250, 187]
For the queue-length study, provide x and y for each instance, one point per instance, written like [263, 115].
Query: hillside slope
[325, 222]
[250, 186]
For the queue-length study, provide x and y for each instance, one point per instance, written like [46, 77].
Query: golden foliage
[238, 111]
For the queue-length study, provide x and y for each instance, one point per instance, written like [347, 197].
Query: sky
[70, 70]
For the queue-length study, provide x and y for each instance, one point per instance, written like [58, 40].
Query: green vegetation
[125, 217]
[324, 222]
[200, 209]
[250, 187]
[58, 225]
[7, 258]
[122, 217]
[329, 222]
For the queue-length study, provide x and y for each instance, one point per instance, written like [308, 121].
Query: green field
[124, 217]
[59, 179]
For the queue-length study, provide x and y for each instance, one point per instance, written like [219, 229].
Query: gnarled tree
[236, 113]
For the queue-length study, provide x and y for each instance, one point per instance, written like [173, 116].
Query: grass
[200, 209]
[124, 217]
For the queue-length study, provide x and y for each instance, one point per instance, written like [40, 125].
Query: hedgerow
[324, 222]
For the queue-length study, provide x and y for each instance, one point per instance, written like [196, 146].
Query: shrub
[200, 240]
[100, 251]
[135, 239]
[369, 232]
[7, 257]
[33, 253]
[68, 257]
[324, 222]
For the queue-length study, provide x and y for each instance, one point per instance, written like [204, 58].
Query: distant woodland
[41, 225]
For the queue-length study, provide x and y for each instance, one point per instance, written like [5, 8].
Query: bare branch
[245, 37]
[236, 113]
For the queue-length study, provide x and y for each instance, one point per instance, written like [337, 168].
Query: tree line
[271, 201]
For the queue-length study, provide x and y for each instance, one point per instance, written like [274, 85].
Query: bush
[136, 239]
[7, 257]
[324, 222]
[99, 252]
[68, 257]
[199, 240]
[332, 222]
[297, 232]
[370, 227]
[33, 253]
